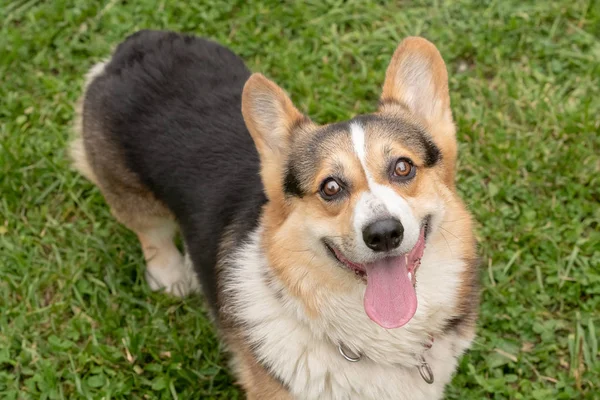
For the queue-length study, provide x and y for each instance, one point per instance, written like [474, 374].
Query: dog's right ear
[270, 117]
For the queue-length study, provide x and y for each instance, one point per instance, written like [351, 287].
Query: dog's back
[156, 122]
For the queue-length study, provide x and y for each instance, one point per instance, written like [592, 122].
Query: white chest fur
[304, 353]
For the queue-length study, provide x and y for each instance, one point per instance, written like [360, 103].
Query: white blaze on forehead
[358, 141]
[381, 200]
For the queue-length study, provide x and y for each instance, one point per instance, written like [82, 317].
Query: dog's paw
[175, 277]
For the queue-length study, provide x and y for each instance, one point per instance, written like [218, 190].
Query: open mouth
[358, 269]
[390, 297]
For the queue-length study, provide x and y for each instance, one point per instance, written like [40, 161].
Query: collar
[423, 367]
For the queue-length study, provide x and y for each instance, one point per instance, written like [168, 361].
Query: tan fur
[77, 148]
[270, 115]
[252, 376]
[290, 256]
[131, 202]
[303, 272]
[461, 225]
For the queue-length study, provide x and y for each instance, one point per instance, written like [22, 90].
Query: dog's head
[354, 202]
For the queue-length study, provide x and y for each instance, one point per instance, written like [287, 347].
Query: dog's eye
[330, 188]
[404, 169]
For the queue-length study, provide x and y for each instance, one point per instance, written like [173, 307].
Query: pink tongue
[390, 299]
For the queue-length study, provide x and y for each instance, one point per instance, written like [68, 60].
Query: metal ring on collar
[425, 371]
[353, 357]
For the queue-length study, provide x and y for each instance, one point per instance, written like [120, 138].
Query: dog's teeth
[410, 276]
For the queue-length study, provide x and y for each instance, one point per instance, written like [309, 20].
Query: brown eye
[404, 169]
[330, 188]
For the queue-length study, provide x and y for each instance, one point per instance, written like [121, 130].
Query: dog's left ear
[417, 81]
[270, 117]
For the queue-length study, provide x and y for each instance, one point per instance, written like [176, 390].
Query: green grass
[78, 321]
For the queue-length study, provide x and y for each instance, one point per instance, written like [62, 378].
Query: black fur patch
[171, 104]
[291, 184]
[454, 324]
[433, 153]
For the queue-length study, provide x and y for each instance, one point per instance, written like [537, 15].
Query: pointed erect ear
[417, 79]
[270, 117]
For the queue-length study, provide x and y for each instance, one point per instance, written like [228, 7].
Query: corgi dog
[338, 261]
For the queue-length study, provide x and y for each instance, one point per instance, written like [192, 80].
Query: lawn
[76, 317]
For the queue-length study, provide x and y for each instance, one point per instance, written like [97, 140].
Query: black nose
[383, 235]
